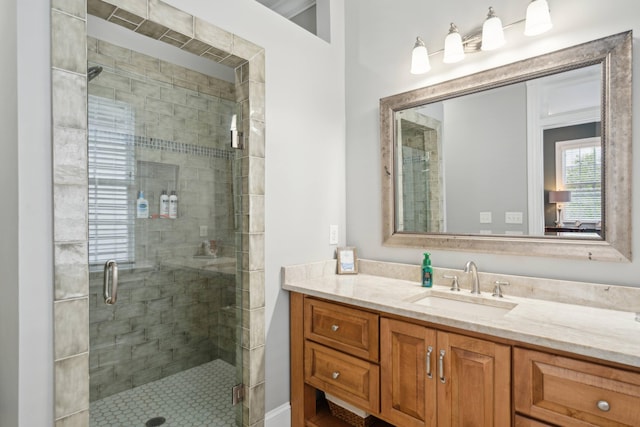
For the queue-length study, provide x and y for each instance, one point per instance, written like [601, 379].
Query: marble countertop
[603, 333]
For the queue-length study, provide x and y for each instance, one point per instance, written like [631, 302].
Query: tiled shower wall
[165, 321]
[181, 119]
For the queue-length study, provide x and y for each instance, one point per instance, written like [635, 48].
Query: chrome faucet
[471, 267]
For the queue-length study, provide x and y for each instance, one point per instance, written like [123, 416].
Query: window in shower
[111, 155]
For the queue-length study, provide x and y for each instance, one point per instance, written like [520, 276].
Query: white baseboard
[278, 417]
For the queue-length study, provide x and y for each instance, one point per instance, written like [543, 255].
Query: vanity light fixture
[453, 47]
[538, 21]
[492, 32]
[420, 58]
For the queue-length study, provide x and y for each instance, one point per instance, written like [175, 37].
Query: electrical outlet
[204, 231]
[513, 217]
[485, 218]
[333, 234]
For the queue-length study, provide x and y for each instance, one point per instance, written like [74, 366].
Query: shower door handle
[110, 271]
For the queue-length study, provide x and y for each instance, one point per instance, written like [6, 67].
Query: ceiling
[288, 8]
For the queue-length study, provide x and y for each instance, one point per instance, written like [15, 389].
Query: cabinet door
[408, 381]
[474, 384]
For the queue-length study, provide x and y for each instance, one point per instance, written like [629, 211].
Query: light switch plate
[485, 218]
[204, 230]
[333, 234]
[513, 217]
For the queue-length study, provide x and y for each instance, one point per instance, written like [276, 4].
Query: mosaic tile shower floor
[197, 397]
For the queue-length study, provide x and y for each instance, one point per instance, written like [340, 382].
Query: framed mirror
[529, 158]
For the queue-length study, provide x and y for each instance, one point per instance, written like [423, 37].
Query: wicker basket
[347, 416]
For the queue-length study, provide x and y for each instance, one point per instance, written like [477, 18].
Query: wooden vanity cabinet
[410, 375]
[391, 369]
[435, 378]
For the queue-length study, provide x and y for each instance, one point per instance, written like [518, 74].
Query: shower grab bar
[110, 267]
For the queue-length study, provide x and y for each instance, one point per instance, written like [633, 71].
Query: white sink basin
[459, 302]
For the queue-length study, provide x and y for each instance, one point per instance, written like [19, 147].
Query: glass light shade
[453, 48]
[538, 18]
[420, 58]
[492, 32]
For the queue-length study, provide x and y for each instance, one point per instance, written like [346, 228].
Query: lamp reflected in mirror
[559, 197]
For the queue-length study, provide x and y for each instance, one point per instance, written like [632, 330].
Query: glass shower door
[166, 350]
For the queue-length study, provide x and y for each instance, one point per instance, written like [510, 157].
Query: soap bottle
[427, 271]
[173, 205]
[164, 205]
[142, 206]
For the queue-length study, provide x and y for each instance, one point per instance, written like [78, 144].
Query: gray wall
[378, 65]
[9, 331]
[26, 333]
[485, 159]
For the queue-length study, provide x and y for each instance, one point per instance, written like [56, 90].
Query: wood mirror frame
[614, 53]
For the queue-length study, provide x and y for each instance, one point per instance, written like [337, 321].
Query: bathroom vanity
[413, 356]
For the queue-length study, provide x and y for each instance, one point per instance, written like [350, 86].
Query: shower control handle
[110, 272]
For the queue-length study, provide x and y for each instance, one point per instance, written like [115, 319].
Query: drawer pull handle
[441, 366]
[335, 375]
[429, 351]
[603, 405]
[335, 328]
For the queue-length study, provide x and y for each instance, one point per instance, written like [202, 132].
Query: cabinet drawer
[343, 328]
[351, 379]
[570, 392]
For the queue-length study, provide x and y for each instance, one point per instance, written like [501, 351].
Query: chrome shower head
[93, 72]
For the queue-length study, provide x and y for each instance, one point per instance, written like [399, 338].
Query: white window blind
[579, 170]
[111, 154]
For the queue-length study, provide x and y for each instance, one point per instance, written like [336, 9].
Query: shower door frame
[70, 188]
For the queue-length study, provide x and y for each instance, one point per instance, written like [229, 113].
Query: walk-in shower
[168, 350]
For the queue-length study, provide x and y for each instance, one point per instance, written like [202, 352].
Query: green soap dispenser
[427, 271]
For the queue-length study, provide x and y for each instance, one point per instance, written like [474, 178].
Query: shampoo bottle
[427, 271]
[173, 205]
[164, 205]
[142, 206]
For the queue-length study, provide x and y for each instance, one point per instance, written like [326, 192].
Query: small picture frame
[347, 260]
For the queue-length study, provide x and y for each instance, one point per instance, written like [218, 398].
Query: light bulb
[492, 32]
[453, 48]
[420, 58]
[538, 18]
